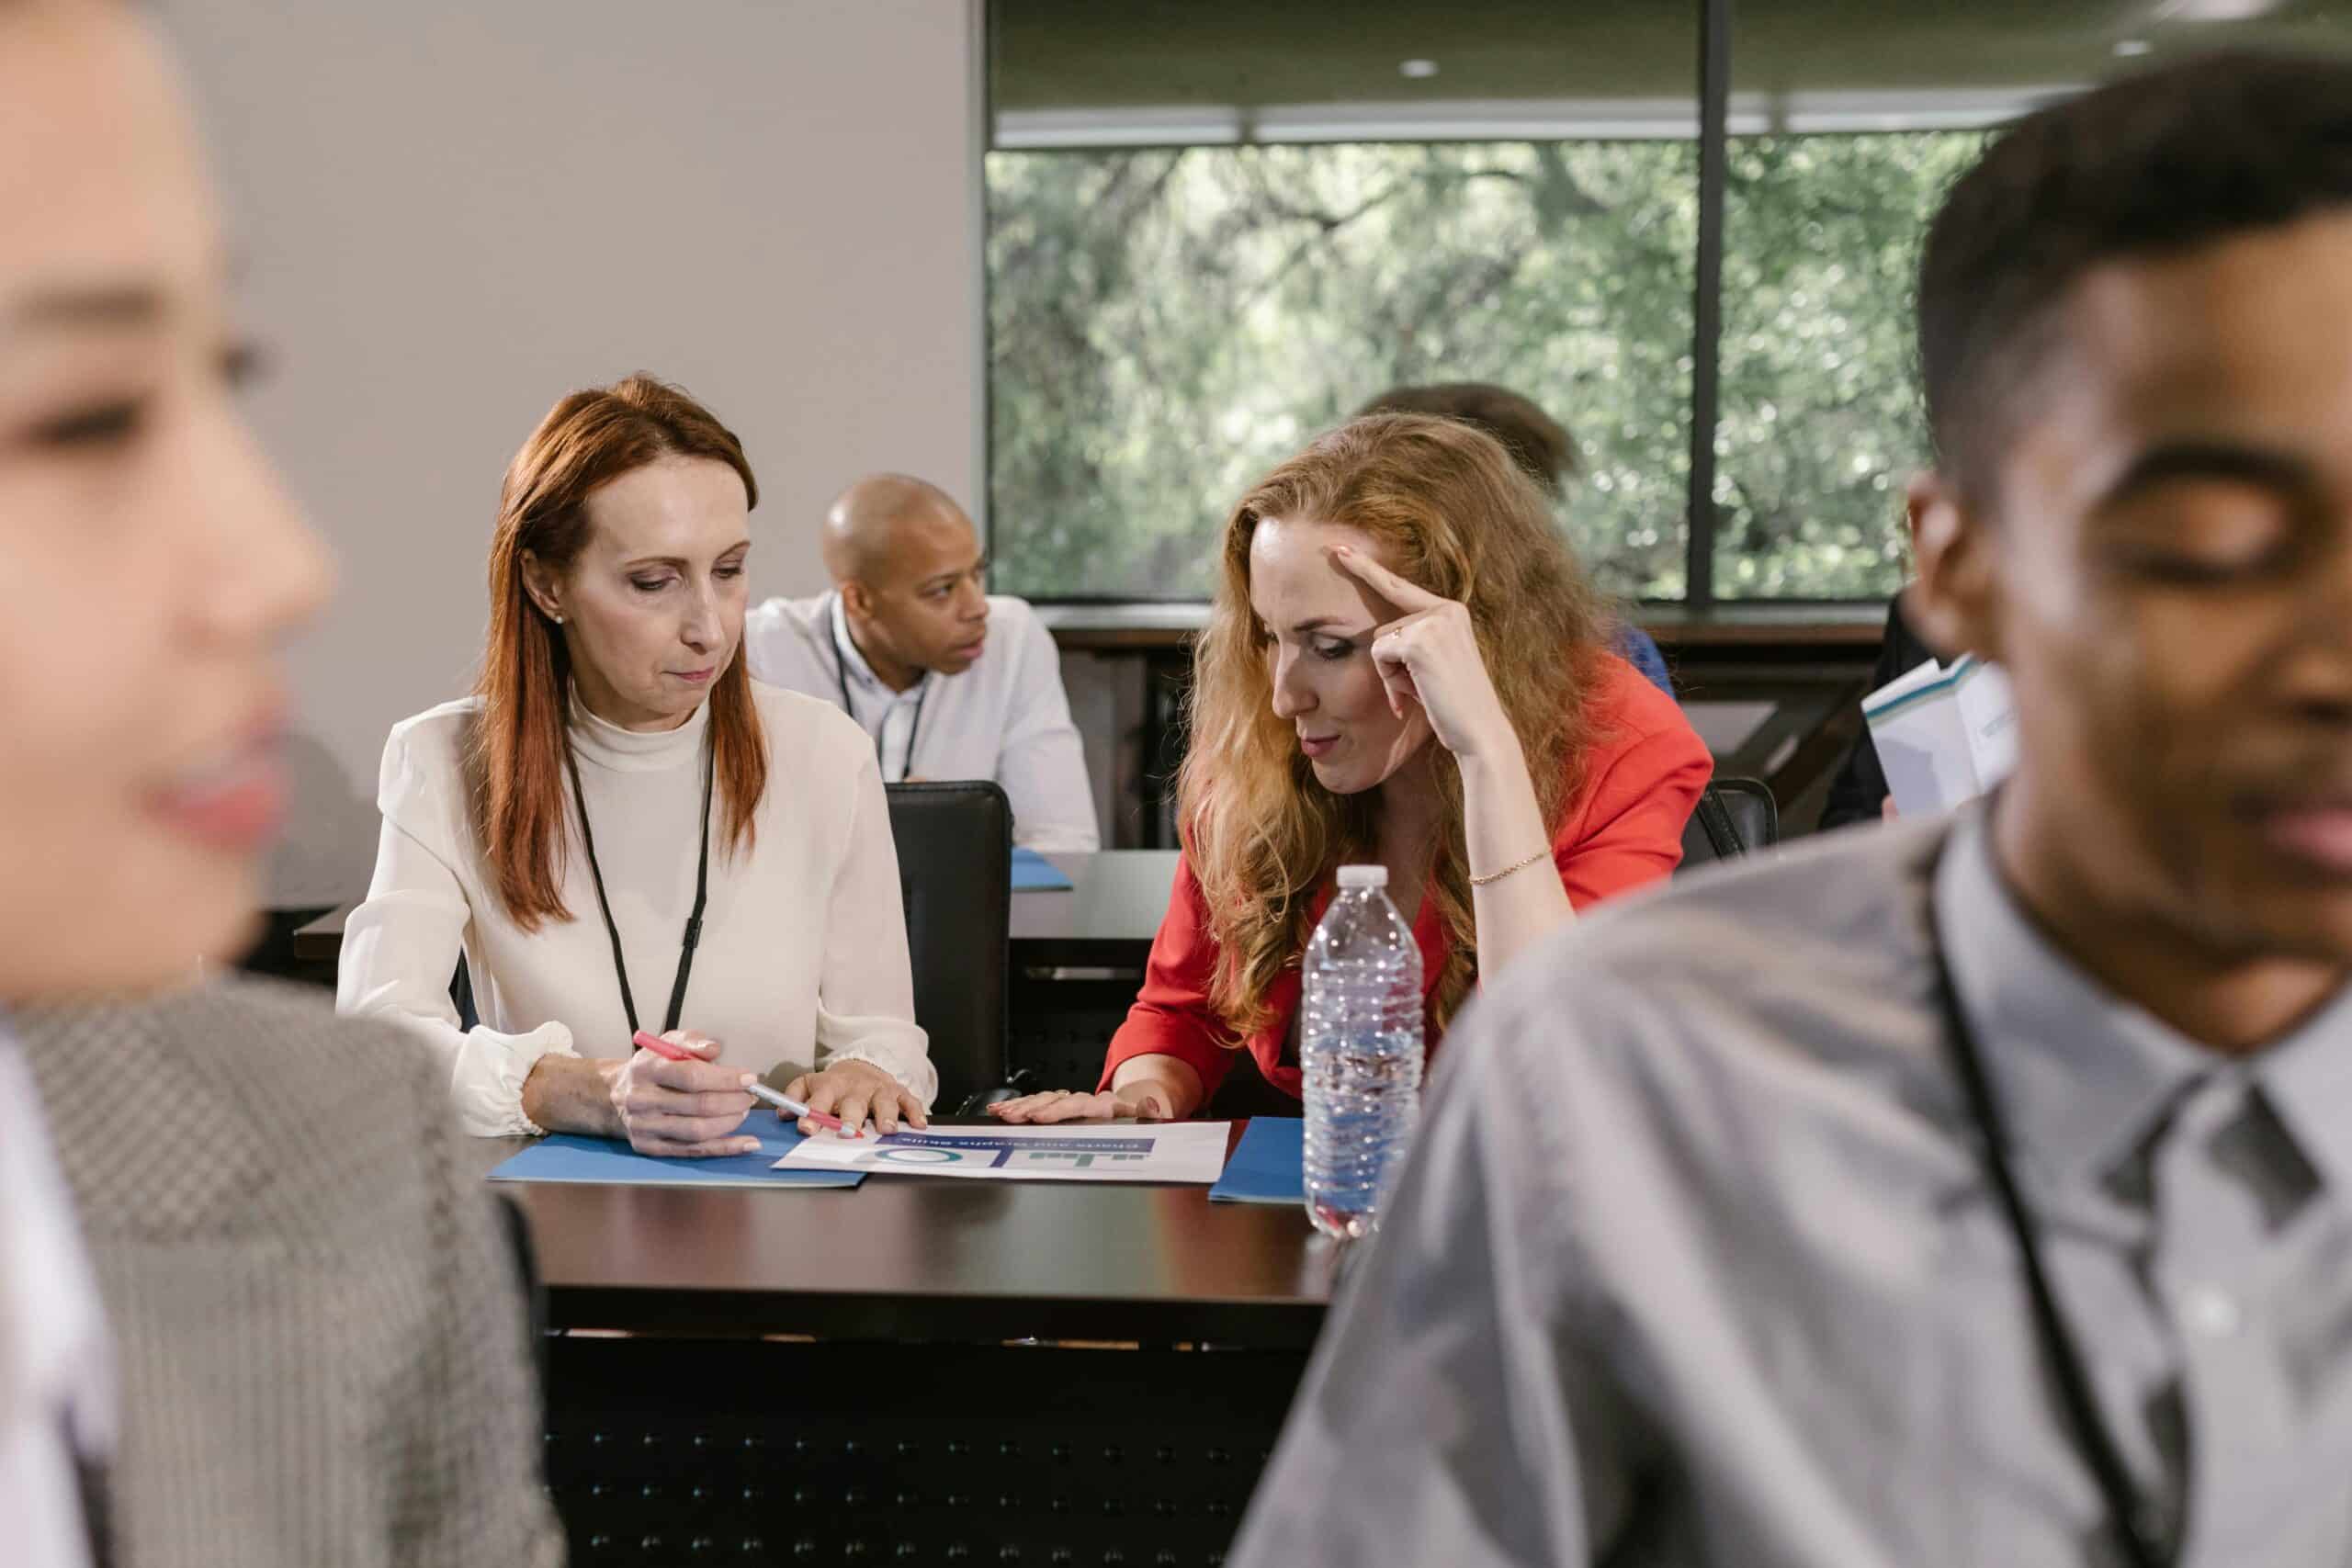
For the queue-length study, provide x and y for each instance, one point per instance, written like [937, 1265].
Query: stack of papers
[1152, 1151]
[1945, 734]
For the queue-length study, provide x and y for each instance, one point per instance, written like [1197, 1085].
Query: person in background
[1859, 792]
[252, 1311]
[1404, 665]
[950, 680]
[1544, 452]
[1975, 1189]
[621, 831]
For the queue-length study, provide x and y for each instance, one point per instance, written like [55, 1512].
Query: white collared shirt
[899, 716]
[1005, 719]
[56, 1373]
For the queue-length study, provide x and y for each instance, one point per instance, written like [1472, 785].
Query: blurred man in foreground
[1977, 1190]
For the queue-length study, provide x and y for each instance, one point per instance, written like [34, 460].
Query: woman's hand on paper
[1147, 1101]
[683, 1109]
[854, 1090]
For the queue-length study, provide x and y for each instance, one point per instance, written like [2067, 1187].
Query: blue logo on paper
[937, 1149]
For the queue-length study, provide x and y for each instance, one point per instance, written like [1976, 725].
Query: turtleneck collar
[608, 745]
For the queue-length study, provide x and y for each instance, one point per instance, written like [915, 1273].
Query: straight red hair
[516, 769]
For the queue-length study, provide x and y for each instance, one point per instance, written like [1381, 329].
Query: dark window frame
[1713, 68]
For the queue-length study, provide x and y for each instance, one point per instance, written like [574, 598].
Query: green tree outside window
[1167, 323]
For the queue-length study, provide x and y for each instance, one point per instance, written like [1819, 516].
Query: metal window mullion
[1706, 334]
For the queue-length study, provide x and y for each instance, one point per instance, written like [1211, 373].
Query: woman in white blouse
[621, 831]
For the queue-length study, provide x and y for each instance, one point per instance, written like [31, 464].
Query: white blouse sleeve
[400, 947]
[1041, 764]
[865, 991]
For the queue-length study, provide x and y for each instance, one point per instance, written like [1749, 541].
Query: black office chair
[1734, 816]
[955, 880]
[1061, 1022]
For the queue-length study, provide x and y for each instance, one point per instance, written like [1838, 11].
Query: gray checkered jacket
[321, 1343]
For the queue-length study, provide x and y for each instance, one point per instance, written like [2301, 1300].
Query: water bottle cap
[1363, 876]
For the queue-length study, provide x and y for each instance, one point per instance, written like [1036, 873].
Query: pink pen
[783, 1102]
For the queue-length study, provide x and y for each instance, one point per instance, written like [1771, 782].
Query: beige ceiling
[1049, 54]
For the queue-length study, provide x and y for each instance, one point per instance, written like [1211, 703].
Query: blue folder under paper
[1267, 1166]
[1033, 873]
[562, 1157]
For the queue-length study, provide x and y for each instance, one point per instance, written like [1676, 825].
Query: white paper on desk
[1944, 734]
[1146, 1151]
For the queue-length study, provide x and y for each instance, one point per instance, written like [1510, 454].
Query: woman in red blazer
[1404, 665]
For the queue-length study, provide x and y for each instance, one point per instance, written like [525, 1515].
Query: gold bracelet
[1522, 865]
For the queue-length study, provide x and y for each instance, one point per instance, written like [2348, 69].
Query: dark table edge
[1279, 1324]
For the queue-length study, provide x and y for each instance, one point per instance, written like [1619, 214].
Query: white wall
[452, 211]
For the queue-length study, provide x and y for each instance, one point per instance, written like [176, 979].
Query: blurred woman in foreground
[251, 1311]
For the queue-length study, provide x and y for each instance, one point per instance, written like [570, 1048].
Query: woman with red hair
[602, 827]
[1404, 665]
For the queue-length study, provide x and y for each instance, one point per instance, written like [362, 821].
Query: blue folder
[563, 1156]
[1033, 873]
[1267, 1166]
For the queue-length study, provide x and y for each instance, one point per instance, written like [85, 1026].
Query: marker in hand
[756, 1090]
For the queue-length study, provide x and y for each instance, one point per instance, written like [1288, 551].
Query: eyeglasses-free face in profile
[156, 564]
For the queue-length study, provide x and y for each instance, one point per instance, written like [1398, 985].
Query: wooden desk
[321, 942]
[1116, 899]
[1078, 961]
[1116, 902]
[977, 1372]
[916, 1258]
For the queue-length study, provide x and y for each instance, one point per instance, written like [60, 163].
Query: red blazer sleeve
[1642, 777]
[1172, 1016]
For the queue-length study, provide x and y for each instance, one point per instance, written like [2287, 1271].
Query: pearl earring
[557, 619]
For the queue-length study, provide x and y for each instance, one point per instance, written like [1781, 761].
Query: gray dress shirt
[1696, 1260]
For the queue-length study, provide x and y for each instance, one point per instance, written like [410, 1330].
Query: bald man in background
[951, 682]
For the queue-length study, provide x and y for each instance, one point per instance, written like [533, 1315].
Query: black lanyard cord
[90, 1485]
[914, 730]
[702, 892]
[2059, 1348]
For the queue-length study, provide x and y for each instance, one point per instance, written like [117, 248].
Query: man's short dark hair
[1539, 444]
[2162, 162]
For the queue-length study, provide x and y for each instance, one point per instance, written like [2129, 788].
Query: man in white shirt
[951, 682]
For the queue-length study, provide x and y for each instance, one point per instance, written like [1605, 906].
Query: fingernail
[746, 1080]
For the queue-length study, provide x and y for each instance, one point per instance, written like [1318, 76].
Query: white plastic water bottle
[1360, 1049]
